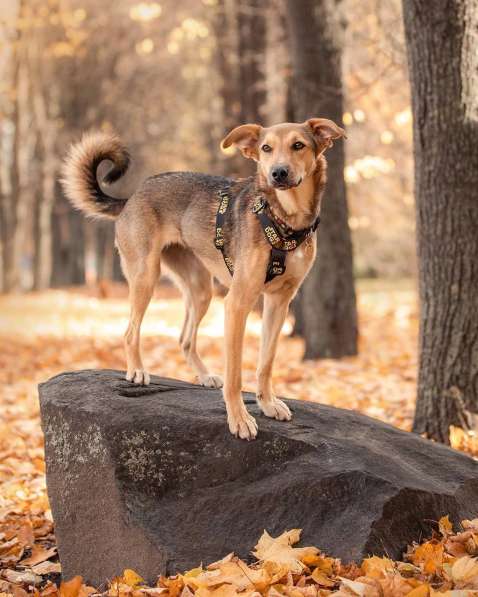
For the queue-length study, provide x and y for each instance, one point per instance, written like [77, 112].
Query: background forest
[171, 78]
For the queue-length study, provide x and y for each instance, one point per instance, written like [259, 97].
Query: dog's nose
[280, 174]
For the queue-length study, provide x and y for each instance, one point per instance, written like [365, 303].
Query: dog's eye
[298, 145]
[266, 148]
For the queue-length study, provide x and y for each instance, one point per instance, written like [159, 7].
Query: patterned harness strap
[220, 219]
[280, 243]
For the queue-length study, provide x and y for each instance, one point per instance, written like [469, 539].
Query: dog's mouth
[284, 186]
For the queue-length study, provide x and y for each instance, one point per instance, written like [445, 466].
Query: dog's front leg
[273, 317]
[238, 304]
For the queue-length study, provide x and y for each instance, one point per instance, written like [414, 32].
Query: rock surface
[149, 478]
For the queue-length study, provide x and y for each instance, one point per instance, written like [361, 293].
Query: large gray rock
[149, 478]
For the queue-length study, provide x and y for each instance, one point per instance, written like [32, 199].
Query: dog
[255, 235]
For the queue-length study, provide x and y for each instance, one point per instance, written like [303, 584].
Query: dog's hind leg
[187, 314]
[142, 274]
[195, 282]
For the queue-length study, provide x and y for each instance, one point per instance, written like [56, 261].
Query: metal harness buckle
[258, 206]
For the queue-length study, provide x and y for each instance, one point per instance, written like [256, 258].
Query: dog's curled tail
[79, 174]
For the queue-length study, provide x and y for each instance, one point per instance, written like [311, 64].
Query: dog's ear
[245, 137]
[325, 131]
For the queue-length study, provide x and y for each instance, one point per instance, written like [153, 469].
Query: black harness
[281, 238]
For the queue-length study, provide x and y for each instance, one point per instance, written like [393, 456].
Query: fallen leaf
[465, 572]
[279, 551]
[25, 534]
[225, 559]
[158, 591]
[359, 588]
[430, 555]
[222, 591]
[444, 526]
[421, 591]
[131, 578]
[235, 572]
[394, 585]
[174, 585]
[39, 554]
[376, 567]
[71, 588]
[322, 579]
[47, 568]
[86, 591]
[22, 578]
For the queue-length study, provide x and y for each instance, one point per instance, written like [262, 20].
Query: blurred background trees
[171, 78]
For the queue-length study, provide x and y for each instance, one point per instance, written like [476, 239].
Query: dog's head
[286, 153]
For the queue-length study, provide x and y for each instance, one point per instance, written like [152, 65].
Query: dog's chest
[297, 265]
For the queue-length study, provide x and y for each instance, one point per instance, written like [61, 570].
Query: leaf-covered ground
[42, 334]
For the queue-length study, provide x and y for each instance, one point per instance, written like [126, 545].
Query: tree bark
[251, 49]
[327, 300]
[10, 201]
[46, 130]
[441, 44]
[240, 32]
[68, 243]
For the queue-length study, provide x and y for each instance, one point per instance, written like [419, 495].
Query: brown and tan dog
[171, 220]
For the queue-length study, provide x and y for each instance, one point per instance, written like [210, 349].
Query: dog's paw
[243, 425]
[274, 408]
[138, 376]
[211, 381]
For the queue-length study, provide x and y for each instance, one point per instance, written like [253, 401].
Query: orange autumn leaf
[376, 567]
[444, 525]
[430, 555]
[322, 579]
[174, 585]
[71, 588]
[421, 591]
[25, 534]
[39, 554]
[131, 578]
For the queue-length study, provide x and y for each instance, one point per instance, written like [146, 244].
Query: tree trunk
[10, 202]
[105, 251]
[251, 24]
[43, 208]
[46, 128]
[43, 237]
[251, 49]
[68, 248]
[327, 300]
[240, 31]
[441, 44]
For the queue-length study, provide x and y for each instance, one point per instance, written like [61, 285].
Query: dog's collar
[281, 237]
